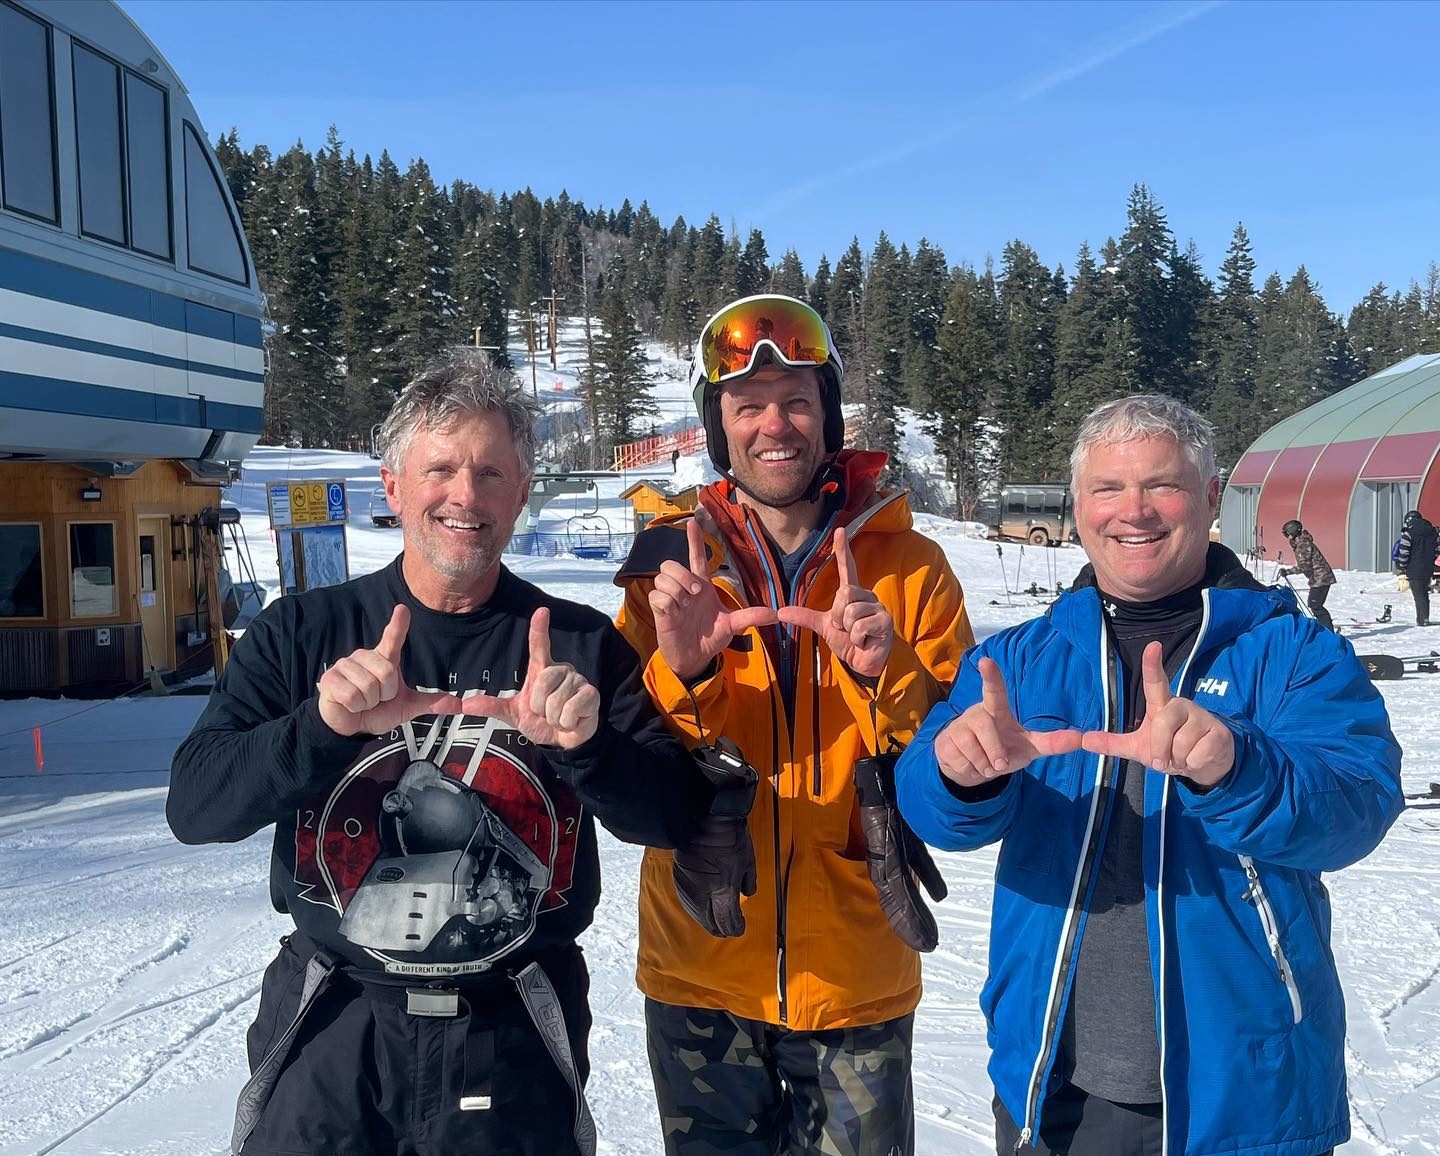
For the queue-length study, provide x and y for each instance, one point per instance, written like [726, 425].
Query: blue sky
[972, 124]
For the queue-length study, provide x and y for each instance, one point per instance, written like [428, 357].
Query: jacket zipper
[1160, 878]
[1271, 926]
[782, 878]
[815, 718]
[1104, 779]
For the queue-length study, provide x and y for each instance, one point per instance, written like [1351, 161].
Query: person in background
[1310, 563]
[1416, 560]
[1169, 757]
[798, 616]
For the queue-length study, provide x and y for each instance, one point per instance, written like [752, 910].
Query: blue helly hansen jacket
[1249, 1011]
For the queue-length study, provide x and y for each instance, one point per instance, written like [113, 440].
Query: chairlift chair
[588, 536]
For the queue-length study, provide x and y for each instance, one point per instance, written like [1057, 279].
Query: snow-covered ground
[130, 965]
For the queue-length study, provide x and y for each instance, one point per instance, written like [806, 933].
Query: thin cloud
[1028, 90]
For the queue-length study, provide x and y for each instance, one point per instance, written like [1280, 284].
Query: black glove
[896, 857]
[1284, 573]
[716, 865]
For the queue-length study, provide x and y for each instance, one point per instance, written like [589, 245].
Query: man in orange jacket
[795, 624]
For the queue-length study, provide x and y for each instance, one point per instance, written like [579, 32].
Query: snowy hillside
[130, 965]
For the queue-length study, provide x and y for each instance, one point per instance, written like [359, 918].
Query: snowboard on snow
[1388, 667]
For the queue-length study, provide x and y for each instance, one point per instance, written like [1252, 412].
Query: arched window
[213, 236]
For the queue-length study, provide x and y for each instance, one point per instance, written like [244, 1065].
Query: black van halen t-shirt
[449, 844]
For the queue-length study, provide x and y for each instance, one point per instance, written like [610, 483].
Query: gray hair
[1145, 415]
[461, 381]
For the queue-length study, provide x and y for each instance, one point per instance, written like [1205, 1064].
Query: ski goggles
[796, 335]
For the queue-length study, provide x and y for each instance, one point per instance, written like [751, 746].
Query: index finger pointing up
[392, 642]
[695, 539]
[844, 560]
[992, 689]
[1152, 674]
[540, 640]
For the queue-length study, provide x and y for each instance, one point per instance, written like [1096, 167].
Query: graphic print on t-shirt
[440, 847]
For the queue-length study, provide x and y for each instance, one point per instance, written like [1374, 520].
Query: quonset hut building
[1349, 467]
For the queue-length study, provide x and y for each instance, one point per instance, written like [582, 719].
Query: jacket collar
[1237, 602]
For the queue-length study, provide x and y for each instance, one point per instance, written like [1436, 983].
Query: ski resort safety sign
[306, 504]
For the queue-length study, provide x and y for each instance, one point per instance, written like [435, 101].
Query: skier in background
[1416, 559]
[1312, 564]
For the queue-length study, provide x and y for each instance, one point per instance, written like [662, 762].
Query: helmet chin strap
[810, 493]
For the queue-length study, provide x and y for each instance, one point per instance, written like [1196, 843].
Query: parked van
[1040, 513]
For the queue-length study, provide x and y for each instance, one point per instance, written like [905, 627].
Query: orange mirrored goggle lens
[731, 340]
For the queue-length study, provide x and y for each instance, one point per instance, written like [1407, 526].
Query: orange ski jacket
[817, 952]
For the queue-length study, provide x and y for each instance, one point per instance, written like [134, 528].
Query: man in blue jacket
[1170, 757]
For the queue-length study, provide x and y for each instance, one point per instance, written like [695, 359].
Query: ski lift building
[1348, 467]
[132, 361]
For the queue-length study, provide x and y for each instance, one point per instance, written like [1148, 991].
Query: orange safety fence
[649, 451]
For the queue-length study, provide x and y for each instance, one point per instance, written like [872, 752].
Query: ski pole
[1004, 578]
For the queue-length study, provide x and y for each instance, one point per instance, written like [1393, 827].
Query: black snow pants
[1075, 1123]
[366, 1076]
[1420, 591]
[1315, 600]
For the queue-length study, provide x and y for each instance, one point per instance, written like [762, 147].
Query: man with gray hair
[430, 742]
[1169, 758]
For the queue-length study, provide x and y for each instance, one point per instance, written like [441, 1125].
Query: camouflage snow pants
[728, 1086]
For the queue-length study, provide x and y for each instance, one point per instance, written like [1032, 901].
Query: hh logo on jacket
[1215, 686]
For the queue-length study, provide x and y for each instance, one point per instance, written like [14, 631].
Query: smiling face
[1144, 514]
[458, 492]
[775, 428]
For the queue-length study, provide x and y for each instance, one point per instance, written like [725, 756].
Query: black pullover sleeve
[254, 755]
[635, 775]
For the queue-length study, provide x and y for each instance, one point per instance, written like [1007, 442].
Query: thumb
[539, 641]
[1112, 745]
[752, 616]
[803, 617]
[490, 706]
[1152, 674]
[392, 642]
[1061, 742]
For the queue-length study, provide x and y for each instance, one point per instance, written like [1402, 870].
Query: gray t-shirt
[1109, 1043]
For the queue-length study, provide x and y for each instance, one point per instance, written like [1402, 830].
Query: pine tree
[819, 293]
[622, 385]
[885, 329]
[1028, 311]
[1144, 251]
[1411, 323]
[480, 314]
[753, 271]
[1372, 330]
[788, 277]
[646, 267]
[707, 276]
[1237, 352]
[960, 395]
[929, 290]
[680, 312]
[846, 315]
[422, 309]
[1082, 378]
[1303, 355]
[1190, 340]
[302, 397]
